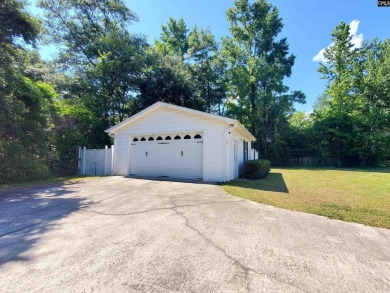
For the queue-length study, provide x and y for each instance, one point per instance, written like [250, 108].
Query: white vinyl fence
[96, 161]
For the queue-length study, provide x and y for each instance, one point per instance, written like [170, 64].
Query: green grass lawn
[49, 181]
[355, 195]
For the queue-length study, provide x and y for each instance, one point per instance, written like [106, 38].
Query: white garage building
[165, 140]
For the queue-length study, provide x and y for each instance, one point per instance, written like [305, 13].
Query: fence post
[94, 159]
[112, 159]
[105, 160]
[79, 162]
[84, 151]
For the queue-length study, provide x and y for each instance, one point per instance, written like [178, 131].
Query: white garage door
[174, 156]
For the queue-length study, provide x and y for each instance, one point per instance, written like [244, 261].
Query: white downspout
[113, 155]
[226, 148]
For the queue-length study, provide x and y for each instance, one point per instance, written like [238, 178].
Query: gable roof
[158, 105]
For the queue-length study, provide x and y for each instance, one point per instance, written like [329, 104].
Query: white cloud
[353, 27]
[320, 56]
[356, 40]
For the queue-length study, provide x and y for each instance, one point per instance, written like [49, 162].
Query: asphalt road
[117, 234]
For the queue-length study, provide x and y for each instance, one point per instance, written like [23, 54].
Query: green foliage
[72, 129]
[198, 52]
[18, 163]
[207, 69]
[17, 28]
[352, 123]
[300, 120]
[168, 80]
[174, 38]
[26, 100]
[104, 74]
[256, 169]
[301, 137]
[79, 25]
[25, 130]
[258, 63]
[15, 23]
[114, 79]
[101, 64]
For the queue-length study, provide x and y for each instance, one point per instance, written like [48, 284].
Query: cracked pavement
[115, 234]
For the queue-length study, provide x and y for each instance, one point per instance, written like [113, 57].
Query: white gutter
[226, 148]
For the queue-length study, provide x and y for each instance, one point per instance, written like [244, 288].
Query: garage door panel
[176, 159]
[143, 159]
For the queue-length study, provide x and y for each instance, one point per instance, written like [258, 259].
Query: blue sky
[308, 25]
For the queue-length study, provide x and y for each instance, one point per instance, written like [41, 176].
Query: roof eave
[157, 105]
[245, 132]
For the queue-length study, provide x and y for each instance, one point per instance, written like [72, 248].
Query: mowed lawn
[361, 196]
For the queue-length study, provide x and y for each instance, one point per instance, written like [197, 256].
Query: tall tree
[77, 26]
[207, 68]
[372, 87]
[353, 122]
[335, 121]
[258, 64]
[167, 79]
[338, 68]
[17, 28]
[173, 38]
[26, 101]
[172, 76]
[198, 51]
[104, 58]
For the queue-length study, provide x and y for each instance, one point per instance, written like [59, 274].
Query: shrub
[256, 169]
[19, 164]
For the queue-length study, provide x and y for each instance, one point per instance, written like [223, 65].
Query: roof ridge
[195, 110]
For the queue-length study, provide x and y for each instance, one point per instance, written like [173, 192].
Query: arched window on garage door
[143, 139]
[150, 139]
[135, 139]
[187, 137]
[168, 138]
[197, 136]
[159, 138]
[177, 137]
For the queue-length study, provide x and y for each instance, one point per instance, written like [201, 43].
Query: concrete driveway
[117, 234]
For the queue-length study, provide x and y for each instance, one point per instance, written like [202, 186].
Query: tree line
[103, 73]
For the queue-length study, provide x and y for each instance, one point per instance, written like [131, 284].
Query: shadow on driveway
[26, 215]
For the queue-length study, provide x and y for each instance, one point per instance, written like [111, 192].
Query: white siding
[167, 121]
[231, 163]
[214, 154]
[240, 156]
[235, 137]
[121, 154]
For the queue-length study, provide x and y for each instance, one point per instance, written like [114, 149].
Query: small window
[150, 139]
[159, 138]
[168, 138]
[177, 137]
[197, 136]
[135, 139]
[143, 139]
[187, 137]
